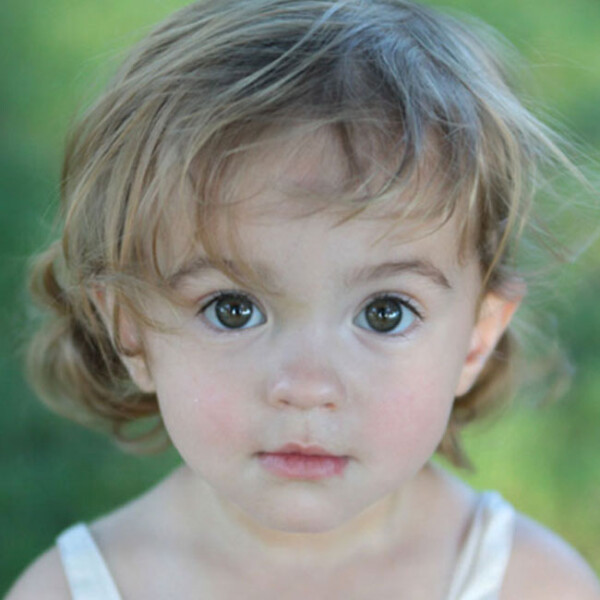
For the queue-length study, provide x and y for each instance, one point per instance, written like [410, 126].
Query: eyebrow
[201, 264]
[421, 267]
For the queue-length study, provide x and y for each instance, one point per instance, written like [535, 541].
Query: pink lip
[310, 450]
[294, 461]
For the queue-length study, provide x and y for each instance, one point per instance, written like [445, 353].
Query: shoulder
[544, 566]
[44, 578]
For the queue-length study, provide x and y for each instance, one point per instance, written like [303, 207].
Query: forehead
[299, 174]
[295, 179]
[290, 174]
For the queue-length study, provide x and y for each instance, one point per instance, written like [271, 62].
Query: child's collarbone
[382, 579]
[351, 583]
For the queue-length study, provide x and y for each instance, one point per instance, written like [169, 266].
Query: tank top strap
[482, 562]
[85, 569]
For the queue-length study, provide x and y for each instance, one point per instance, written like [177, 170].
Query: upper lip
[308, 450]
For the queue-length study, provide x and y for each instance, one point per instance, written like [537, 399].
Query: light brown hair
[417, 93]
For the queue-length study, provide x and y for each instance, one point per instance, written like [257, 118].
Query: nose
[306, 382]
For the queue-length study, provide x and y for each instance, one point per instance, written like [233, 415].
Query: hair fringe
[406, 91]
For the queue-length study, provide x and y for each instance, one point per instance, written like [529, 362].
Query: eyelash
[214, 299]
[405, 302]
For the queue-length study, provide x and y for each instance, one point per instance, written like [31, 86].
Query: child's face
[361, 352]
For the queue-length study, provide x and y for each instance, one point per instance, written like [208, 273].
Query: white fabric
[86, 571]
[478, 574]
[482, 562]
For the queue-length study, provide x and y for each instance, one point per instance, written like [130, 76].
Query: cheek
[409, 418]
[216, 415]
[201, 411]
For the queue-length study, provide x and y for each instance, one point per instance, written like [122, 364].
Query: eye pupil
[233, 311]
[384, 314]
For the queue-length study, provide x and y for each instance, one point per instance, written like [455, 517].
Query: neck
[384, 527]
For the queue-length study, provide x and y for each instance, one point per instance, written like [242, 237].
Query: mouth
[295, 461]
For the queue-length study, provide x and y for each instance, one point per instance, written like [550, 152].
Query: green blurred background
[54, 57]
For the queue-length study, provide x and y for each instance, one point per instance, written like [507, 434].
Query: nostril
[306, 386]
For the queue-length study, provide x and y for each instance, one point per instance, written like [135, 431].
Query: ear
[495, 314]
[130, 347]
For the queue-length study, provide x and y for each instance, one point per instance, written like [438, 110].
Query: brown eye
[386, 314]
[233, 311]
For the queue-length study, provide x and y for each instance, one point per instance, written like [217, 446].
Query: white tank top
[478, 574]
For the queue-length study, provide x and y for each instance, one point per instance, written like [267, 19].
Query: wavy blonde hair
[417, 93]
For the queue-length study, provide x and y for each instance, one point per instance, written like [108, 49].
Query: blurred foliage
[54, 57]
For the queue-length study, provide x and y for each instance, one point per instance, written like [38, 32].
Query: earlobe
[495, 314]
[125, 337]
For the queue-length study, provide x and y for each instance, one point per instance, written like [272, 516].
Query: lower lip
[303, 466]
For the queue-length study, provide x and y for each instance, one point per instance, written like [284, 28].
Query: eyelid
[208, 299]
[404, 299]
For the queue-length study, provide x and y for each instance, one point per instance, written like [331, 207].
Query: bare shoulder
[544, 566]
[44, 578]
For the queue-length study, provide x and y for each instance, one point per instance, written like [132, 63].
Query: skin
[310, 369]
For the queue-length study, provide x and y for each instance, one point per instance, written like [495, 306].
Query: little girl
[289, 238]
